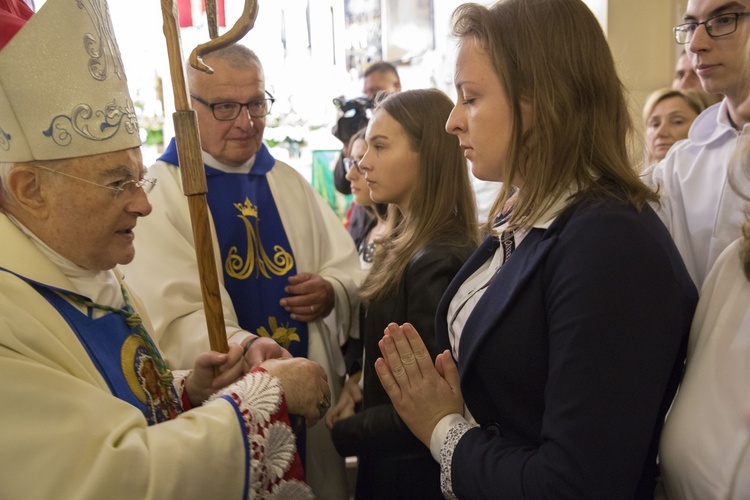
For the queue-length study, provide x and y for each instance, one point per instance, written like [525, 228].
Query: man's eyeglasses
[351, 162]
[117, 187]
[721, 25]
[228, 111]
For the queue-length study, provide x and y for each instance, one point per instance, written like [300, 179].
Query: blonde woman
[667, 116]
[413, 165]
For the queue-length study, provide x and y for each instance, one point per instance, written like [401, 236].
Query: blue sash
[256, 255]
[120, 355]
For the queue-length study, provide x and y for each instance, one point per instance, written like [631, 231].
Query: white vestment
[165, 275]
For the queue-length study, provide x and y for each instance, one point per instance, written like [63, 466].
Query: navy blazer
[571, 358]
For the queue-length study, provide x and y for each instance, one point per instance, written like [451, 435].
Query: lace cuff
[446, 457]
[180, 376]
[274, 462]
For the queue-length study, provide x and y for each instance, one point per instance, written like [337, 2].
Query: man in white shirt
[701, 211]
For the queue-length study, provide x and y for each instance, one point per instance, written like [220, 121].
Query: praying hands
[421, 392]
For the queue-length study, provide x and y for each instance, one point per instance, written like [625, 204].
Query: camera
[355, 114]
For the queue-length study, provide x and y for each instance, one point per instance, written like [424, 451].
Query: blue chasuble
[256, 256]
[120, 354]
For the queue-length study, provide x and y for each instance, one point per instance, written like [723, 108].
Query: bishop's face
[89, 224]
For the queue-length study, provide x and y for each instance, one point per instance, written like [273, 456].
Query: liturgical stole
[256, 256]
[121, 356]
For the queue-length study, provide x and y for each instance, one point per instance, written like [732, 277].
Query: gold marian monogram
[240, 268]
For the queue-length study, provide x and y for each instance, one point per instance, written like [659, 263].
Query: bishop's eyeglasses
[228, 111]
[117, 187]
[721, 25]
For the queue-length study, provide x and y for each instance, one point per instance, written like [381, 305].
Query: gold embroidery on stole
[237, 268]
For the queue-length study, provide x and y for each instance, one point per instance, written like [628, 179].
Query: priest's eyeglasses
[117, 187]
[721, 25]
[228, 111]
[351, 162]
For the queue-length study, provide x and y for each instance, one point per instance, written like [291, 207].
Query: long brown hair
[441, 209]
[552, 54]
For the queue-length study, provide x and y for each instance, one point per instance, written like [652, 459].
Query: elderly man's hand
[261, 349]
[312, 297]
[305, 386]
[213, 371]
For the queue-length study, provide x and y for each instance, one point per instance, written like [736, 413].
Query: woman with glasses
[366, 244]
[361, 196]
[562, 337]
[413, 165]
[351, 394]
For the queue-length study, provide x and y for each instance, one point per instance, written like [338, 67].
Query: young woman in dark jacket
[412, 164]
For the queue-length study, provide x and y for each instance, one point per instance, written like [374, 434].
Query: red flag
[220, 17]
[14, 14]
[185, 13]
[185, 10]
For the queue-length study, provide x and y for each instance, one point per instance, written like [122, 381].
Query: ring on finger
[312, 309]
[325, 404]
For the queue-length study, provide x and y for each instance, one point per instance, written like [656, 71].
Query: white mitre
[63, 90]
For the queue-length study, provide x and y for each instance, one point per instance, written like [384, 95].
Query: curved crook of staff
[244, 24]
[191, 162]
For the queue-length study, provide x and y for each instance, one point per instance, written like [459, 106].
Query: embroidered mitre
[63, 90]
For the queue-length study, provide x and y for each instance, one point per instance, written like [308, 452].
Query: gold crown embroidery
[247, 209]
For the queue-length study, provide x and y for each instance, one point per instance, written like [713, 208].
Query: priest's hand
[311, 297]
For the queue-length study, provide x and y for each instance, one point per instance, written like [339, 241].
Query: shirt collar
[712, 124]
[549, 216]
[212, 162]
[101, 287]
